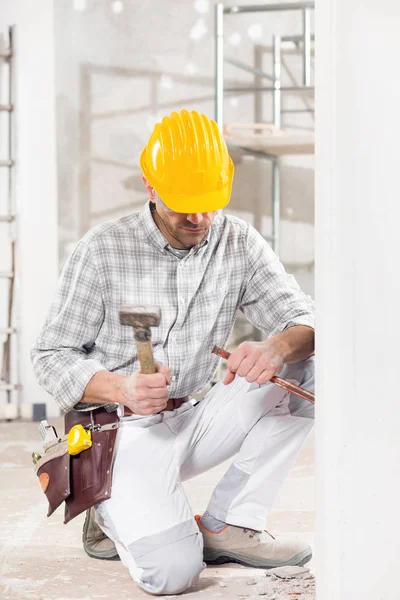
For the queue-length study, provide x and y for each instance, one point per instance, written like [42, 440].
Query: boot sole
[100, 554]
[221, 557]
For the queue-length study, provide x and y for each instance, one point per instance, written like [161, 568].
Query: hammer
[141, 318]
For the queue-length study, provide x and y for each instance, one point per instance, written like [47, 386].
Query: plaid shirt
[128, 261]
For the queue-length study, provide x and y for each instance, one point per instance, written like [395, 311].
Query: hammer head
[140, 316]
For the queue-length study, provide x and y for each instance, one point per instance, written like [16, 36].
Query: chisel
[283, 383]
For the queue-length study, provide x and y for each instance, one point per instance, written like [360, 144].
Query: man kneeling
[200, 267]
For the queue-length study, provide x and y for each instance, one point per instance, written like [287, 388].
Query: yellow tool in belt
[79, 439]
[36, 457]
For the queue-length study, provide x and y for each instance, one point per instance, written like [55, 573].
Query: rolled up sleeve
[272, 300]
[61, 356]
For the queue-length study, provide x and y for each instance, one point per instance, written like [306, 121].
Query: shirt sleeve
[272, 300]
[61, 356]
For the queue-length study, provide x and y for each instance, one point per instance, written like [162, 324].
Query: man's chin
[192, 237]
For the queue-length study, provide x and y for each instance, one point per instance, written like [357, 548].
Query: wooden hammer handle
[145, 355]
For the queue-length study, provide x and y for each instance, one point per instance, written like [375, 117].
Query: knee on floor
[173, 568]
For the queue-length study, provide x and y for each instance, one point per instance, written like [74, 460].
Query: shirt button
[173, 378]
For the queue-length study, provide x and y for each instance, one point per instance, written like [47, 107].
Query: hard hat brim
[198, 204]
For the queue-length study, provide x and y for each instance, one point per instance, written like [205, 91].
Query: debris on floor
[287, 572]
[283, 583]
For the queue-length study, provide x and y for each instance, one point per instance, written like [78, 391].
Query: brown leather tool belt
[172, 404]
[82, 480]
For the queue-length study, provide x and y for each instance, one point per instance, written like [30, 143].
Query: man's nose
[195, 218]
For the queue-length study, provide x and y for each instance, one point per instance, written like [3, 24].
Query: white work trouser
[148, 515]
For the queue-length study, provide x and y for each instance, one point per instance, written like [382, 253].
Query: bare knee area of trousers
[42, 558]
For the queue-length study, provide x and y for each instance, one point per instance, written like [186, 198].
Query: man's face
[180, 229]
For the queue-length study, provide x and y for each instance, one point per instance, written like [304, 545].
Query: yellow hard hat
[187, 162]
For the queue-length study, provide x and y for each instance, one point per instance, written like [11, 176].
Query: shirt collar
[151, 230]
[154, 234]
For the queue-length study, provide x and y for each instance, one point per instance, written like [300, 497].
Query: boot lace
[255, 533]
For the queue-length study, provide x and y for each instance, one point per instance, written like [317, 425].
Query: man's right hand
[146, 394]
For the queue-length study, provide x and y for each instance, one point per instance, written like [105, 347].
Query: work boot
[95, 542]
[252, 548]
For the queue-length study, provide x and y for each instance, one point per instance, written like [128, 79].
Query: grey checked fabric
[128, 261]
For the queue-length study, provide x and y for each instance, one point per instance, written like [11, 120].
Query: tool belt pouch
[83, 480]
[53, 470]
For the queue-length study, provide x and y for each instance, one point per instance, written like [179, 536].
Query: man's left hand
[256, 361]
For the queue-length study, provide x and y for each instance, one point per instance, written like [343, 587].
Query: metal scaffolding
[273, 146]
[8, 225]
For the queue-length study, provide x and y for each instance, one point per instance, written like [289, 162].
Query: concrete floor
[43, 559]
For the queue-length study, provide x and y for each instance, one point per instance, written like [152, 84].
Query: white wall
[36, 188]
[357, 295]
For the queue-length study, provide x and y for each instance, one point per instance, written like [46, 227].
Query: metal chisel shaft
[283, 383]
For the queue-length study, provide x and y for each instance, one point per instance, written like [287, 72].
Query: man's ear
[150, 190]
